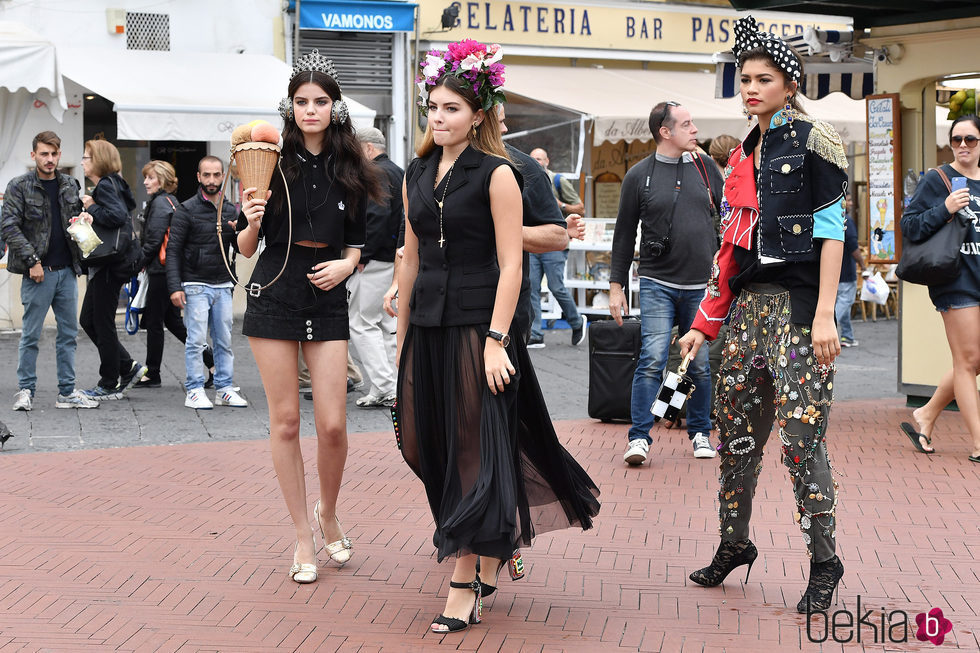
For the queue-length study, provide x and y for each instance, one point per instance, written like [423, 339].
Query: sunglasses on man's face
[971, 141]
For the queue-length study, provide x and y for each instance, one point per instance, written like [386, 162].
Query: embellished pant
[769, 374]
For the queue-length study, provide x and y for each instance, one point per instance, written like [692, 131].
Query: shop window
[147, 31]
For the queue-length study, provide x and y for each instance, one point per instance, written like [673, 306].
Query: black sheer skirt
[494, 471]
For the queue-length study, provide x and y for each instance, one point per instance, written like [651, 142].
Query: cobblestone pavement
[158, 416]
[110, 547]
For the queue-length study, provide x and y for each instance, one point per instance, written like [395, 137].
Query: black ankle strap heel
[451, 623]
[515, 565]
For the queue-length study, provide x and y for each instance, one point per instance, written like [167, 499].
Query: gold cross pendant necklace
[449, 177]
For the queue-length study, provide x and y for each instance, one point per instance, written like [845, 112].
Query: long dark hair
[761, 54]
[351, 170]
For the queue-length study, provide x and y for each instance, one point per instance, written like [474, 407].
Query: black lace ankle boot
[730, 554]
[824, 577]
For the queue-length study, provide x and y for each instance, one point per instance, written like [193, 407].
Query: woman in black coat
[160, 181]
[108, 206]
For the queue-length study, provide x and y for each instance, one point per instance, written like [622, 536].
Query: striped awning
[828, 63]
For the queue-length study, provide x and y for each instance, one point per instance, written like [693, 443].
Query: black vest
[801, 172]
[456, 283]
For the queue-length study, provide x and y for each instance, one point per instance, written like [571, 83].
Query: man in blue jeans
[847, 287]
[199, 283]
[670, 195]
[552, 264]
[37, 208]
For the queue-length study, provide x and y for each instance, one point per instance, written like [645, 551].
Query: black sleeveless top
[456, 283]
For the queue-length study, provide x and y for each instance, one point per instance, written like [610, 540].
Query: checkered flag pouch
[676, 389]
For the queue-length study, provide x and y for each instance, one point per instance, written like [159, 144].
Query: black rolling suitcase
[613, 353]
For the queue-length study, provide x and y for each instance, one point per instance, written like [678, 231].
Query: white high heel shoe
[339, 551]
[303, 572]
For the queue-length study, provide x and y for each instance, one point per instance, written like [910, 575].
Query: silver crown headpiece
[313, 61]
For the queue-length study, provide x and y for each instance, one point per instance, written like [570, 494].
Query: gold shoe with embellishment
[339, 551]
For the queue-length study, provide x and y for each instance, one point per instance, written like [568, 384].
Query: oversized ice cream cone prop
[256, 162]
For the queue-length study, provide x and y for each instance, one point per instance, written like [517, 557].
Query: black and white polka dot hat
[748, 36]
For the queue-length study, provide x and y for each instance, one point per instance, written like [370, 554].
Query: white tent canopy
[29, 74]
[28, 62]
[181, 96]
[619, 100]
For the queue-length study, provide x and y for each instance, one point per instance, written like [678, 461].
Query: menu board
[884, 174]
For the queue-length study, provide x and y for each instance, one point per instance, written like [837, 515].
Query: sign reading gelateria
[635, 27]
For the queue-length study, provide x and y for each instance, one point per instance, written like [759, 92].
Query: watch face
[505, 341]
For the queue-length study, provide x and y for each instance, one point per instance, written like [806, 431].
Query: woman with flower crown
[474, 426]
[314, 236]
[775, 281]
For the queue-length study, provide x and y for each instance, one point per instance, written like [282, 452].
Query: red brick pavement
[185, 548]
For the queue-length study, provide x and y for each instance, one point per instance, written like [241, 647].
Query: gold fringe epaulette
[825, 141]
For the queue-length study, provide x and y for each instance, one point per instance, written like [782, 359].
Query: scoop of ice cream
[241, 134]
[265, 133]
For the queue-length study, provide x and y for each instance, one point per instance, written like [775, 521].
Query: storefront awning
[870, 13]
[28, 62]
[177, 96]
[619, 101]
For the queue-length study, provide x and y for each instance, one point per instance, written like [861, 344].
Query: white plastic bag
[83, 234]
[139, 299]
[874, 289]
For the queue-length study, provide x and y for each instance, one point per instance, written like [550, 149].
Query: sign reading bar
[884, 172]
[345, 16]
[641, 27]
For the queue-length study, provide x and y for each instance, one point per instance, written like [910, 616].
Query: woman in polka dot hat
[776, 282]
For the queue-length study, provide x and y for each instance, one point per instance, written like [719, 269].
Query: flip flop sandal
[914, 436]
[973, 459]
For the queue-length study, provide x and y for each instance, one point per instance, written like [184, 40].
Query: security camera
[881, 55]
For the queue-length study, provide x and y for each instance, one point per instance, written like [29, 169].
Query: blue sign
[344, 16]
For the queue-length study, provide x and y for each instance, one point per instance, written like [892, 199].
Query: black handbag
[936, 260]
[117, 242]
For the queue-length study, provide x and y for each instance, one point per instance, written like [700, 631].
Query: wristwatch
[502, 338]
[32, 260]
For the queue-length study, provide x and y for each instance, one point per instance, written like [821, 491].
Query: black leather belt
[53, 268]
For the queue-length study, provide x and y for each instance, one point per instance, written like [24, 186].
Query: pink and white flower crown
[471, 61]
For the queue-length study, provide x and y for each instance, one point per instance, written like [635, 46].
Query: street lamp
[450, 16]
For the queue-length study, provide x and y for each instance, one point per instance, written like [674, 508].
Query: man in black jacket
[372, 331]
[200, 283]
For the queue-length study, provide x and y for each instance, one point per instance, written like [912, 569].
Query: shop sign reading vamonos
[664, 28]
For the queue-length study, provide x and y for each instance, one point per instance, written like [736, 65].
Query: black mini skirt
[292, 308]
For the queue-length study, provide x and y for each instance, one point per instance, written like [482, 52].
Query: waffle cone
[256, 162]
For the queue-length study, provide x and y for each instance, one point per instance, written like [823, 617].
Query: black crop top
[320, 209]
